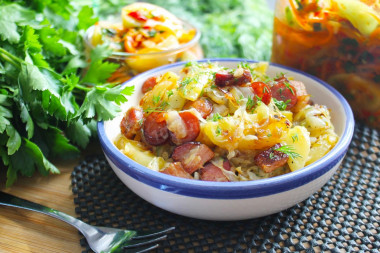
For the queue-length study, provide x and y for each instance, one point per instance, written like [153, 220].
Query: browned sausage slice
[155, 129]
[131, 122]
[225, 78]
[149, 84]
[192, 155]
[271, 159]
[202, 105]
[192, 126]
[176, 169]
[300, 87]
[213, 173]
[285, 92]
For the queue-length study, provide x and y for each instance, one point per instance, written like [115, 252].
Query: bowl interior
[321, 93]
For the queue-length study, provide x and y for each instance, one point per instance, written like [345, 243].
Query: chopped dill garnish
[241, 97]
[288, 86]
[250, 103]
[191, 63]
[281, 105]
[156, 99]
[289, 150]
[186, 81]
[218, 130]
[216, 117]
[161, 107]
[295, 137]
[282, 74]
[169, 93]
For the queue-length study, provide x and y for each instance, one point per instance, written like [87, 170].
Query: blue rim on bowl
[232, 190]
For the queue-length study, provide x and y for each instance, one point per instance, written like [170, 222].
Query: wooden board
[23, 231]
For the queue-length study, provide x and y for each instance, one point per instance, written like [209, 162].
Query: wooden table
[24, 231]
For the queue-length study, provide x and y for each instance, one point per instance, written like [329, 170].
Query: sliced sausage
[285, 92]
[149, 84]
[132, 122]
[192, 129]
[176, 169]
[155, 129]
[303, 98]
[300, 87]
[202, 105]
[263, 91]
[210, 172]
[245, 77]
[225, 78]
[271, 159]
[192, 155]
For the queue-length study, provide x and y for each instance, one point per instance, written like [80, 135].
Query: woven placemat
[343, 216]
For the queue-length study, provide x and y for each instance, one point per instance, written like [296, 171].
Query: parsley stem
[81, 87]
[15, 61]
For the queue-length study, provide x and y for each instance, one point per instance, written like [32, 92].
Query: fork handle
[10, 200]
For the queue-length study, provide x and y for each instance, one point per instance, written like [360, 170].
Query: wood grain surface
[23, 231]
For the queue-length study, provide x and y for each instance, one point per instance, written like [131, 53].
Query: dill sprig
[289, 150]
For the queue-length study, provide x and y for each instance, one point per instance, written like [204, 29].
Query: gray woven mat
[343, 216]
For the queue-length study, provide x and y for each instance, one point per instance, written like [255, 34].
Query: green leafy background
[49, 106]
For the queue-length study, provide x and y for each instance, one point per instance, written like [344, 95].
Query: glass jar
[337, 41]
[143, 37]
[132, 64]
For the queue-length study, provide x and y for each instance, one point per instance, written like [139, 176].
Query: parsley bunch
[50, 95]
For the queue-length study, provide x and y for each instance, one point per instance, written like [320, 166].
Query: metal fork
[100, 239]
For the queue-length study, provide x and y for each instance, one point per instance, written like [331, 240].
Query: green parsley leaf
[99, 72]
[50, 40]
[79, 133]
[14, 141]
[27, 120]
[96, 103]
[10, 16]
[26, 160]
[86, 18]
[5, 113]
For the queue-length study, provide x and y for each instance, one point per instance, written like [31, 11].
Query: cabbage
[361, 16]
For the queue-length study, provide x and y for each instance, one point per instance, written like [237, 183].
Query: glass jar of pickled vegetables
[337, 41]
[147, 36]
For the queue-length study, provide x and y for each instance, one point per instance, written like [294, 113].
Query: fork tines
[140, 250]
[145, 238]
[151, 233]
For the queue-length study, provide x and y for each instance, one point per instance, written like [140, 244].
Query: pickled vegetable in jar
[337, 41]
[147, 36]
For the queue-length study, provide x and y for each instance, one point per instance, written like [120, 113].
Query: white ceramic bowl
[231, 200]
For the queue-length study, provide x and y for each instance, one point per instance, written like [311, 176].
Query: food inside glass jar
[221, 124]
[148, 36]
[338, 41]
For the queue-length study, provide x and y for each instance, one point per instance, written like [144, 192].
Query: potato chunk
[298, 137]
